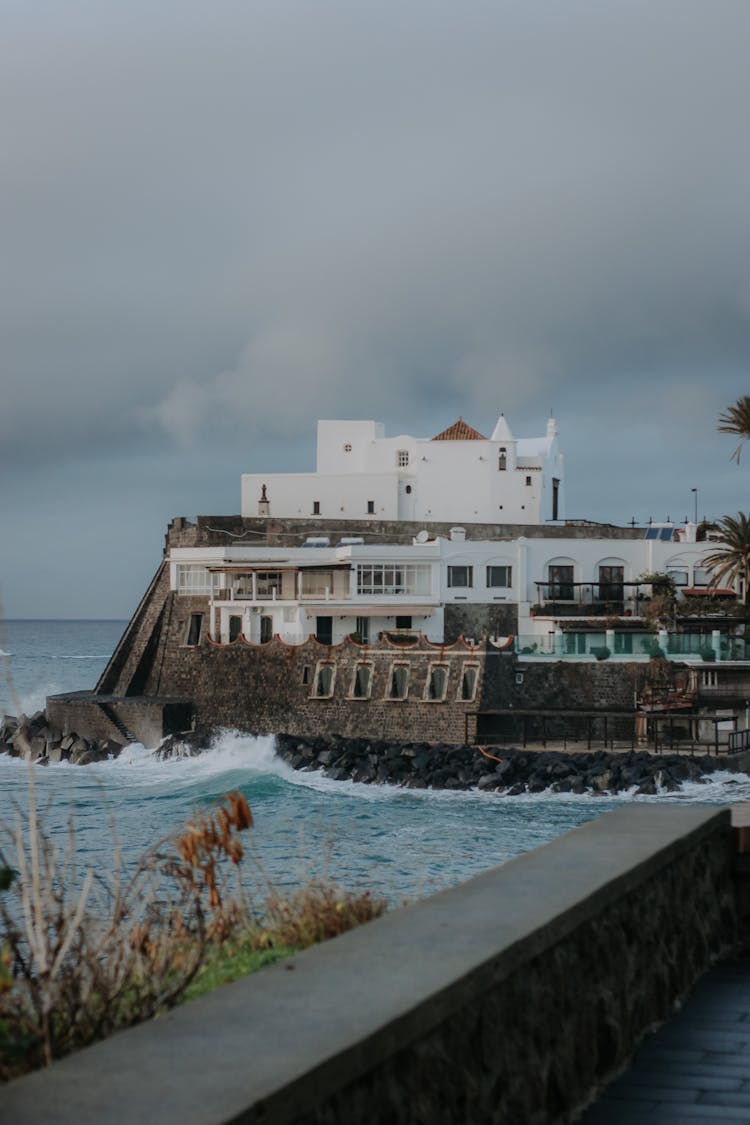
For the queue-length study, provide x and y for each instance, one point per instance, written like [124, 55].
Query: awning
[330, 609]
[270, 567]
[707, 591]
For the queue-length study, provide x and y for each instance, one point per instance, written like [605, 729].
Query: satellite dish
[422, 536]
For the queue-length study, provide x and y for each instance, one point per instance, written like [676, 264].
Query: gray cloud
[221, 222]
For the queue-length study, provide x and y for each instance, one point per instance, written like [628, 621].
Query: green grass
[229, 961]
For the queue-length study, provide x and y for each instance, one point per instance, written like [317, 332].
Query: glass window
[437, 682]
[701, 577]
[461, 576]
[561, 583]
[398, 681]
[371, 507]
[499, 577]
[403, 622]
[611, 583]
[679, 576]
[195, 579]
[235, 628]
[362, 631]
[316, 507]
[324, 680]
[528, 481]
[389, 579]
[266, 630]
[362, 683]
[268, 583]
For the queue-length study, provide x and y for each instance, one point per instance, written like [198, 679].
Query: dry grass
[85, 954]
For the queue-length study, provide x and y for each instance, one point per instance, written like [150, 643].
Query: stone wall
[271, 688]
[100, 717]
[260, 531]
[478, 621]
[508, 999]
[591, 690]
[127, 668]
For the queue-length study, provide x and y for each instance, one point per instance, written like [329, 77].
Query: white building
[332, 590]
[459, 475]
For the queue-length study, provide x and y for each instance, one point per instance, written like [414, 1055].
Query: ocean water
[401, 843]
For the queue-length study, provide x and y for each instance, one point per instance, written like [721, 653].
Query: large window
[462, 576]
[679, 576]
[561, 582]
[268, 583]
[195, 579]
[701, 577]
[387, 578]
[499, 577]
[315, 583]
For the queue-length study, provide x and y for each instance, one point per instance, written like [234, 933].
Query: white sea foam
[233, 751]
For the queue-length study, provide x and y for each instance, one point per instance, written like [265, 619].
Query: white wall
[451, 481]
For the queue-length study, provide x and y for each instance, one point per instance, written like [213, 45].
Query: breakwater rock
[36, 740]
[508, 771]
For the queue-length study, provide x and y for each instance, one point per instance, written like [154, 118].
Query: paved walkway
[696, 1069]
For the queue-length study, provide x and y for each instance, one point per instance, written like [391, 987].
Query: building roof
[460, 431]
[502, 431]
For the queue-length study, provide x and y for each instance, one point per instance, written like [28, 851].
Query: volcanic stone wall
[252, 531]
[271, 688]
[587, 689]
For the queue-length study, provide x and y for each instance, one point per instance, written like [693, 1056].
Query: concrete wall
[105, 716]
[507, 1000]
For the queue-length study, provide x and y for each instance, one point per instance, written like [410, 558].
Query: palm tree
[736, 420]
[731, 561]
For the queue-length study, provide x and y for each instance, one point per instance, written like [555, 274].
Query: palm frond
[736, 420]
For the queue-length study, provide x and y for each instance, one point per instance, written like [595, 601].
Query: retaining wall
[505, 1000]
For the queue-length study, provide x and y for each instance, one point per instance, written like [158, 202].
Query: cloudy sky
[221, 221]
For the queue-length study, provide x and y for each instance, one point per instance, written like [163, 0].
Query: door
[611, 583]
[324, 630]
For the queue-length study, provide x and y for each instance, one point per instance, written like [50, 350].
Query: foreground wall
[507, 1000]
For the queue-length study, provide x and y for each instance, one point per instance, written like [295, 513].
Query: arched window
[324, 680]
[437, 683]
[398, 686]
[502, 459]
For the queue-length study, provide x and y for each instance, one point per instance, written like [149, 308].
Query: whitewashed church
[458, 475]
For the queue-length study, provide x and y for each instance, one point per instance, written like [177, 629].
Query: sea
[399, 843]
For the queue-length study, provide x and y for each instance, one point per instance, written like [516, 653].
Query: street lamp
[695, 498]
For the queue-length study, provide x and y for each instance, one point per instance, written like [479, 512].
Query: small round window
[407, 490]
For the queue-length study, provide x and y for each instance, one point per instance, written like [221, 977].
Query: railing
[739, 740]
[633, 645]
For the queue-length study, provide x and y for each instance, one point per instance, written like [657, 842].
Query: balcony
[589, 599]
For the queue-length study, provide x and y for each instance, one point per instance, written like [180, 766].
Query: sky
[222, 221]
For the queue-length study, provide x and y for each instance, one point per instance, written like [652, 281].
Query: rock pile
[37, 741]
[419, 766]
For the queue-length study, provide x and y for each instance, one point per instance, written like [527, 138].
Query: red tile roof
[460, 431]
